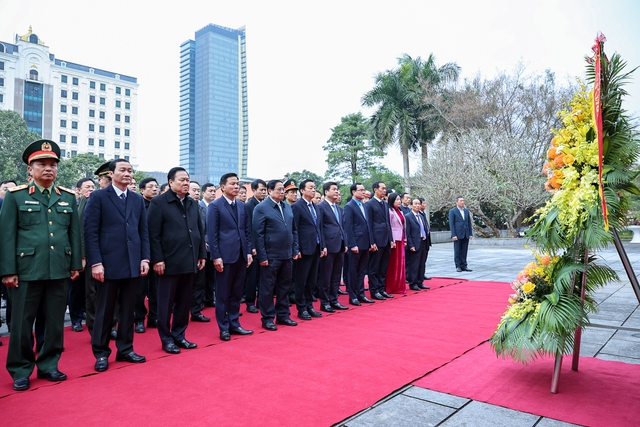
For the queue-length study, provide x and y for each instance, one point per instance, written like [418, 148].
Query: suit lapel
[38, 195]
[115, 199]
[230, 210]
[129, 205]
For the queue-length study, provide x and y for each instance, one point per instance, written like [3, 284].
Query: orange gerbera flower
[558, 161]
[545, 260]
[552, 153]
[568, 159]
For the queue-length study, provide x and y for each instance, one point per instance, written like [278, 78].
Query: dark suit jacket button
[190, 246]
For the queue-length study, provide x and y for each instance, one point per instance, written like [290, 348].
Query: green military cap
[290, 185]
[41, 149]
[103, 169]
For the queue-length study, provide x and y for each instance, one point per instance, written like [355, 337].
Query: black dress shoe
[467, 269]
[304, 315]
[171, 348]
[354, 302]
[131, 357]
[77, 327]
[366, 300]
[52, 376]
[200, 318]
[427, 277]
[341, 292]
[240, 331]
[414, 287]
[314, 313]
[459, 270]
[327, 308]
[338, 306]
[152, 323]
[270, 326]
[421, 286]
[287, 322]
[101, 364]
[378, 296]
[225, 335]
[140, 329]
[252, 309]
[21, 384]
[386, 295]
[114, 334]
[183, 343]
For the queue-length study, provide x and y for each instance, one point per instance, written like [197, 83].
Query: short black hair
[272, 184]
[327, 186]
[458, 198]
[256, 183]
[6, 181]
[144, 182]
[163, 186]
[354, 187]
[113, 164]
[78, 184]
[303, 184]
[172, 172]
[194, 182]
[421, 199]
[226, 176]
[207, 185]
[376, 184]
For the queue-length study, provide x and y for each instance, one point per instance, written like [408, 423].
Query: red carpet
[601, 393]
[317, 373]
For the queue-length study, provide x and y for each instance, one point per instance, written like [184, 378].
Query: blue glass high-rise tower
[214, 128]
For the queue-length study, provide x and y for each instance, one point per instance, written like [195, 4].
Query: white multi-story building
[85, 109]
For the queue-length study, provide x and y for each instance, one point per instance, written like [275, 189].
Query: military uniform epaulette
[66, 189]
[18, 188]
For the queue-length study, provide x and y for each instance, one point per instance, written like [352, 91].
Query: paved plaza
[415, 406]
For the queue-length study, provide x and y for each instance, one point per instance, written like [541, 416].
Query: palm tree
[402, 116]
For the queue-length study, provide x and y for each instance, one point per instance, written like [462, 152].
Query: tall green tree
[77, 167]
[305, 174]
[350, 151]
[14, 138]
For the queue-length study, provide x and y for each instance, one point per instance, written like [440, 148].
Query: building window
[103, 101]
[92, 99]
[127, 92]
[63, 78]
[74, 153]
[101, 155]
[101, 142]
[101, 129]
[126, 158]
[117, 144]
[63, 64]
[127, 105]
[117, 131]
[75, 81]
[91, 127]
[91, 141]
[126, 145]
[63, 93]
[74, 125]
[63, 108]
[74, 110]
[127, 119]
[92, 85]
[126, 132]
[1, 98]
[92, 113]
[63, 138]
[1, 81]
[118, 90]
[2, 65]
[63, 123]
[63, 153]
[102, 114]
[103, 86]
[74, 95]
[74, 139]
[117, 104]
[117, 117]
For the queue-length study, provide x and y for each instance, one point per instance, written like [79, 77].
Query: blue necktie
[335, 211]
[123, 198]
[361, 208]
[315, 220]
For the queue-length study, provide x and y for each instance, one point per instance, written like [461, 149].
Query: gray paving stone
[588, 349]
[617, 358]
[483, 414]
[597, 335]
[402, 411]
[436, 397]
[548, 422]
[622, 348]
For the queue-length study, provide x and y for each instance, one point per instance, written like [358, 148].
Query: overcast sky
[309, 63]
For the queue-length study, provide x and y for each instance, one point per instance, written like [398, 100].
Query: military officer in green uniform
[39, 253]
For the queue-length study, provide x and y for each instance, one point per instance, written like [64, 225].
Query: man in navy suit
[252, 281]
[276, 240]
[377, 211]
[308, 222]
[359, 242]
[461, 233]
[229, 237]
[331, 265]
[418, 243]
[208, 196]
[117, 250]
